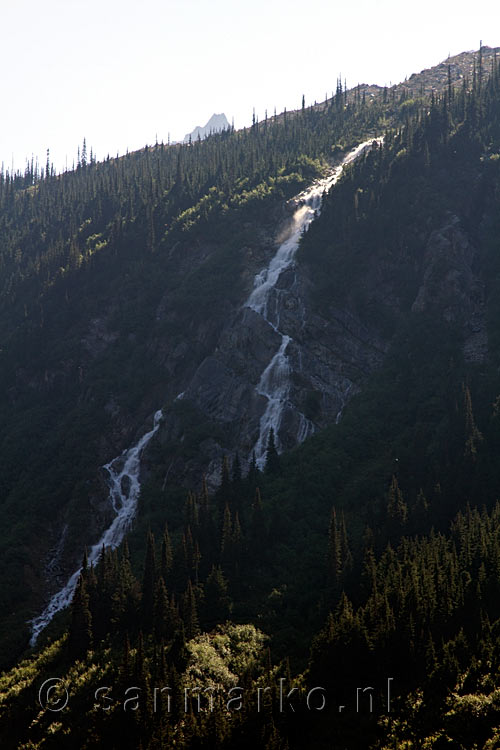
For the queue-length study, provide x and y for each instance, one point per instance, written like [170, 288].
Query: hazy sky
[120, 72]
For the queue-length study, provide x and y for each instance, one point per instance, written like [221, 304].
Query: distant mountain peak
[216, 123]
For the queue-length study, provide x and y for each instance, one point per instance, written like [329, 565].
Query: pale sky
[121, 72]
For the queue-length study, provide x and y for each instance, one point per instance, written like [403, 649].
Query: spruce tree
[472, 435]
[149, 583]
[258, 530]
[216, 602]
[226, 543]
[125, 667]
[162, 613]
[224, 494]
[334, 548]
[190, 612]
[272, 464]
[80, 631]
[253, 473]
[236, 470]
[166, 556]
[397, 510]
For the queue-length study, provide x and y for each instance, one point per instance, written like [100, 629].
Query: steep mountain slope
[273, 366]
[393, 296]
[362, 544]
[118, 280]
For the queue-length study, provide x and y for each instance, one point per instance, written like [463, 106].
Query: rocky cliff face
[329, 356]
[211, 371]
[452, 288]
[327, 360]
[211, 389]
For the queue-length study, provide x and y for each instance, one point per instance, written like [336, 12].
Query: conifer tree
[397, 510]
[339, 552]
[80, 633]
[102, 595]
[142, 681]
[216, 603]
[347, 560]
[236, 470]
[253, 473]
[85, 563]
[190, 612]
[272, 465]
[162, 623]
[177, 653]
[258, 523]
[125, 668]
[223, 494]
[334, 547]
[166, 555]
[226, 543]
[191, 511]
[472, 435]
[149, 582]
[180, 567]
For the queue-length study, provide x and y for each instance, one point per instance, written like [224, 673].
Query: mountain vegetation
[103, 269]
[347, 594]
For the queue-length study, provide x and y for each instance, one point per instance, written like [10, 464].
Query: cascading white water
[123, 494]
[345, 396]
[274, 383]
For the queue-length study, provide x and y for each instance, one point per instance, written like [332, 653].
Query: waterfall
[274, 385]
[124, 487]
[274, 382]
